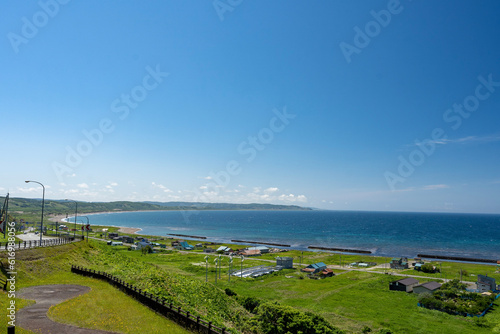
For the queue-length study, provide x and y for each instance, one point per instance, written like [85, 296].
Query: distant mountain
[224, 206]
[61, 207]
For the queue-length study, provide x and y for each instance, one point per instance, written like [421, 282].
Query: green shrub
[273, 318]
[229, 292]
[249, 303]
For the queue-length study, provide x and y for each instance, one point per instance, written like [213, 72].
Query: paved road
[35, 318]
[33, 237]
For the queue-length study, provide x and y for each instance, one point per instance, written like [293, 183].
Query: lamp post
[76, 213]
[43, 204]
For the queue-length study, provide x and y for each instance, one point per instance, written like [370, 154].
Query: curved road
[35, 318]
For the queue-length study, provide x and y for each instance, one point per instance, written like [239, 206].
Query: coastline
[373, 241]
[122, 229]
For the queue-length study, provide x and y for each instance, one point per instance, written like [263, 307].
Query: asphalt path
[34, 317]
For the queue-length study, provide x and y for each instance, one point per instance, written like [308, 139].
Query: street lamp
[76, 213]
[43, 204]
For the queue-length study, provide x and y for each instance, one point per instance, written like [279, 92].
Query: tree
[428, 268]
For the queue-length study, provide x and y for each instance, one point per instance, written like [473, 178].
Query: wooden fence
[159, 305]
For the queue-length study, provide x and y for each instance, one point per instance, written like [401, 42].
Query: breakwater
[260, 243]
[456, 258]
[345, 250]
[187, 236]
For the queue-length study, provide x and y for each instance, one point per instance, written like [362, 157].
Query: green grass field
[105, 307]
[351, 300]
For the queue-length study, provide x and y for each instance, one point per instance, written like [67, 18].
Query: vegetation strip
[341, 250]
[159, 305]
[260, 243]
[456, 258]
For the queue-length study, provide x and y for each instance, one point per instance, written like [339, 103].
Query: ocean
[383, 233]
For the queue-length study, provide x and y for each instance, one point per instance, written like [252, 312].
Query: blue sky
[345, 105]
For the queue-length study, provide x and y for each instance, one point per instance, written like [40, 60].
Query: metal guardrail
[160, 305]
[21, 245]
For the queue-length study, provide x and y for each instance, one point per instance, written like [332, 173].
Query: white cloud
[271, 190]
[161, 186]
[82, 185]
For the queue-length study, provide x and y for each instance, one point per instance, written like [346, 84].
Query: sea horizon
[383, 233]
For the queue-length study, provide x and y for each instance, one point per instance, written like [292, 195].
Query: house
[405, 284]
[285, 262]
[314, 268]
[142, 244]
[428, 287]
[112, 235]
[224, 249]
[186, 246]
[327, 273]
[248, 252]
[115, 243]
[485, 283]
[401, 263]
[128, 240]
[209, 250]
[417, 261]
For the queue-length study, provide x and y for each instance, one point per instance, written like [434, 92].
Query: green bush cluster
[453, 299]
[273, 318]
[223, 307]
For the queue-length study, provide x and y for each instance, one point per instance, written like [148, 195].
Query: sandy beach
[128, 230]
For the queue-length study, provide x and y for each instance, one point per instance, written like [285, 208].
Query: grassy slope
[350, 300]
[116, 312]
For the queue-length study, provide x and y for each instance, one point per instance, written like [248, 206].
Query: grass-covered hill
[27, 208]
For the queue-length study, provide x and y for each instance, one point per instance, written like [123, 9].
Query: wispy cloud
[463, 140]
[435, 186]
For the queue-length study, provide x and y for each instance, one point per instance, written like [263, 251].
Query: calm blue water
[383, 233]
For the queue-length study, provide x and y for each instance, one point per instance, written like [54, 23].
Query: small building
[224, 249]
[112, 235]
[405, 284]
[315, 268]
[485, 283]
[128, 240]
[401, 263]
[209, 250]
[327, 273]
[285, 262]
[428, 287]
[186, 246]
[142, 244]
[115, 243]
[248, 252]
[262, 249]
